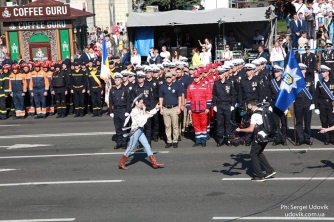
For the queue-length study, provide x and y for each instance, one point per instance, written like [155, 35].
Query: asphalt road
[66, 170]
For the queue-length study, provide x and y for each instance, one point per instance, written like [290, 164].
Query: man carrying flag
[292, 83]
[105, 71]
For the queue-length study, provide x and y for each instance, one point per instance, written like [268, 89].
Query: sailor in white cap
[249, 89]
[279, 115]
[139, 117]
[304, 104]
[119, 108]
[327, 58]
[325, 102]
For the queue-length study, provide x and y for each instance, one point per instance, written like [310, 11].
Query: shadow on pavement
[241, 163]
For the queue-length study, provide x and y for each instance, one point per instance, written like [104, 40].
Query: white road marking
[5, 170]
[10, 125]
[282, 178]
[59, 182]
[273, 218]
[20, 146]
[76, 154]
[299, 149]
[56, 135]
[312, 127]
[40, 220]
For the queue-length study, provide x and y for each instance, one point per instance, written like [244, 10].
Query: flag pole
[294, 122]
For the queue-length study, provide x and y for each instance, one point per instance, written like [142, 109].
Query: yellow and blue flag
[105, 71]
[292, 83]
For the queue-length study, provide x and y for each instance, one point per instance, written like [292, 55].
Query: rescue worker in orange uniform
[17, 89]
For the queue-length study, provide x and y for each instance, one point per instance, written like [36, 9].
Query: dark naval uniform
[303, 113]
[60, 85]
[327, 58]
[119, 104]
[310, 61]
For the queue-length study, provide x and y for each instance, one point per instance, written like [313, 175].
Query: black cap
[75, 64]
[91, 60]
[307, 47]
[94, 64]
[83, 63]
[58, 65]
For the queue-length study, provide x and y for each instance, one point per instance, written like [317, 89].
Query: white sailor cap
[302, 66]
[229, 63]
[324, 68]
[241, 61]
[235, 62]
[155, 68]
[183, 59]
[256, 62]
[132, 74]
[171, 65]
[140, 74]
[118, 75]
[124, 73]
[165, 64]
[148, 69]
[139, 67]
[262, 60]
[250, 66]
[278, 68]
[223, 68]
[160, 66]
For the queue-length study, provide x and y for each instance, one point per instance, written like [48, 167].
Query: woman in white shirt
[207, 44]
[277, 55]
[204, 56]
[227, 54]
[135, 57]
[302, 42]
[139, 117]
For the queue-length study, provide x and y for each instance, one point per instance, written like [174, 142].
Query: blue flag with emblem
[292, 83]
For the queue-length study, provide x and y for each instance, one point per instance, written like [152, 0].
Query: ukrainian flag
[105, 71]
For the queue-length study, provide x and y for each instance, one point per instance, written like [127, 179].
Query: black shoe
[175, 145]
[258, 179]
[155, 139]
[284, 143]
[43, 117]
[168, 145]
[58, 116]
[51, 114]
[124, 146]
[326, 143]
[208, 137]
[309, 143]
[203, 144]
[247, 143]
[299, 143]
[140, 146]
[270, 175]
[118, 146]
[220, 143]
[179, 138]
[196, 144]
[94, 115]
[227, 143]
[63, 116]
[81, 115]
[275, 143]
[100, 114]
[76, 115]
[182, 134]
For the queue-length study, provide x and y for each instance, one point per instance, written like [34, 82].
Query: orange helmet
[37, 64]
[52, 63]
[60, 61]
[24, 65]
[15, 67]
[6, 66]
[45, 65]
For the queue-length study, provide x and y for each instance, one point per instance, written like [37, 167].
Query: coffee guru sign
[11, 13]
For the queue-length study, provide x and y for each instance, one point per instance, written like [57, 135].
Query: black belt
[225, 103]
[170, 106]
[302, 99]
[119, 107]
[326, 100]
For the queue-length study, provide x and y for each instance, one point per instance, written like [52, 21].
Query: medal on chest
[227, 88]
[122, 97]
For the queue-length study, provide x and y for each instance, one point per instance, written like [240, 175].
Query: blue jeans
[138, 135]
[279, 63]
[321, 20]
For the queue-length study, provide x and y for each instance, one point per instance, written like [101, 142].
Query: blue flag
[292, 83]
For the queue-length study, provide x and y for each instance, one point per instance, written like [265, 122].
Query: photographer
[256, 152]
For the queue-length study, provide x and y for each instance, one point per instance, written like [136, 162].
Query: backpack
[267, 130]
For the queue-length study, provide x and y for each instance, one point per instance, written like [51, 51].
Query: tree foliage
[167, 5]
